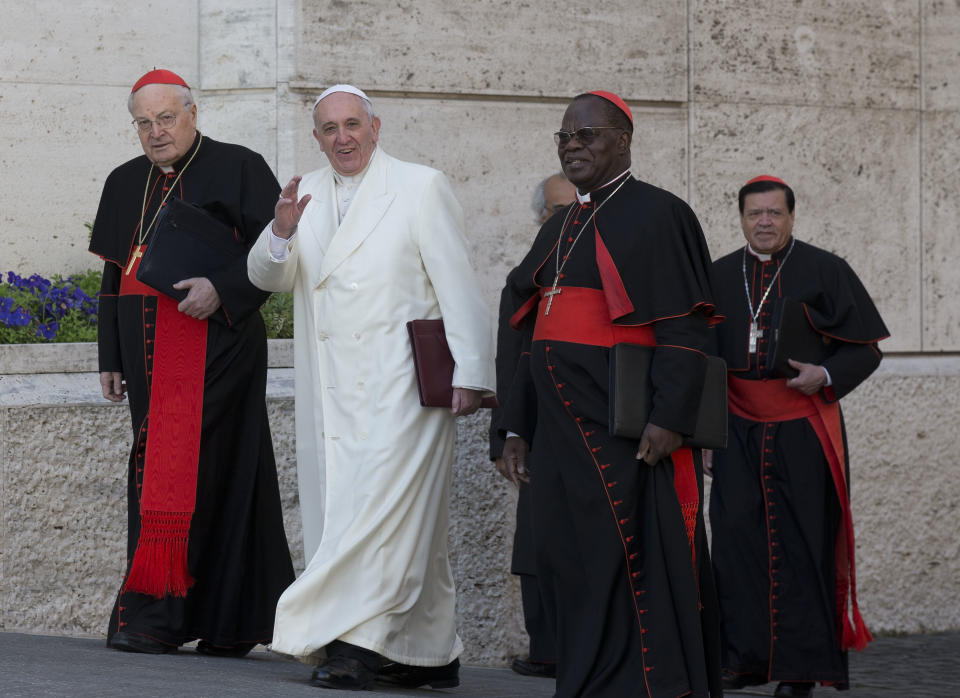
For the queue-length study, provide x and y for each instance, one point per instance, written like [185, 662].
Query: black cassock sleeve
[518, 401]
[258, 195]
[108, 332]
[509, 354]
[849, 366]
[678, 371]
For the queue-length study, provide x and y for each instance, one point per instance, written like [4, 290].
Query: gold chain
[141, 235]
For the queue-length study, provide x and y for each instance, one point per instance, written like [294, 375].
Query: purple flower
[18, 317]
[48, 330]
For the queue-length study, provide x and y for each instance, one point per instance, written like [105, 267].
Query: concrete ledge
[63, 451]
[81, 357]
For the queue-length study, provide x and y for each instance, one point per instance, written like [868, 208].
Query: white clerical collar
[585, 198]
[759, 255]
[355, 179]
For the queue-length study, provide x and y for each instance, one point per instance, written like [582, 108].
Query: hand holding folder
[434, 364]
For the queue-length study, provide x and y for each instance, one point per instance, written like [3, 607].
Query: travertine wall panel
[64, 510]
[95, 42]
[941, 243]
[941, 54]
[822, 52]
[57, 145]
[483, 515]
[63, 506]
[62, 482]
[494, 153]
[63, 523]
[635, 48]
[238, 49]
[905, 488]
[247, 118]
[856, 177]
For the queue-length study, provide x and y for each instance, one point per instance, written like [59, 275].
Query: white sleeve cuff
[511, 434]
[280, 248]
[829, 379]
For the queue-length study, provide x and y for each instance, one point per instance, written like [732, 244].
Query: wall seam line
[690, 103]
[920, 140]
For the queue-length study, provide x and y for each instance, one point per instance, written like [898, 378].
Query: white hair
[539, 201]
[186, 96]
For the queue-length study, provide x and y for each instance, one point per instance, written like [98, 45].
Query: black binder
[794, 338]
[187, 242]
[631, 397]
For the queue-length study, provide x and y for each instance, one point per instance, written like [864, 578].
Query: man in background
[552, 195]
[207, 556]
[783, 546]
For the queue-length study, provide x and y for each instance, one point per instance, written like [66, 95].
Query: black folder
[187, 242]
[794, 338]
[631, 397]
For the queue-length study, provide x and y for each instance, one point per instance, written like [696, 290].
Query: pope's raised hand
[287, 212]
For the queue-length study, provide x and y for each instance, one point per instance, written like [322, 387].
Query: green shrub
[35, 309]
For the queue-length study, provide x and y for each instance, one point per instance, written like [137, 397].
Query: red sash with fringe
[773, 401]
[582, 316]
[169, 491]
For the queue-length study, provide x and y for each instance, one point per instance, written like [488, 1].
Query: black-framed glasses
[586, 134]
[164, 121]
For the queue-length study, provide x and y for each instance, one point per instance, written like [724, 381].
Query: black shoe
[732, 681]
[134, 642]
[345, 673]
[407, 676]
[238, 650]
[794, 689]
[528, 667]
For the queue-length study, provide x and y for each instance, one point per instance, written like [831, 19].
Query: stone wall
[856, 103]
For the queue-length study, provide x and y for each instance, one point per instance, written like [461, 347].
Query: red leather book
[434, 364]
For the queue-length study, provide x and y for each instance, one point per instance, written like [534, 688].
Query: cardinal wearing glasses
[617, 521]
[207, 557]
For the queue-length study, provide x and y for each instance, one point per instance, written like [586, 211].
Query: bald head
[554, 194]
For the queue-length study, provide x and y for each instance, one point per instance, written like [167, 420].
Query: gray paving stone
[36, 666]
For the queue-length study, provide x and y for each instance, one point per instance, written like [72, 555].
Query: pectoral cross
[137, 254]
[551, 293]
[755, 332]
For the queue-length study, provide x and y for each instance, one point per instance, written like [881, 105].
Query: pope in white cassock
[373, 243]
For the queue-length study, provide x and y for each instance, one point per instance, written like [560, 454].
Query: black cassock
[237, 551]
[775, 512]
[632, 601]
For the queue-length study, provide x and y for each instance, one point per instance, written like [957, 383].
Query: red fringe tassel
[159, 565]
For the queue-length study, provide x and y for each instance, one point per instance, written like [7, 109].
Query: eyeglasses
[586, 135]
[164, 121]
[773, 213]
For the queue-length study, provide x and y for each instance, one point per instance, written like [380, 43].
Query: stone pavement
[36, 666]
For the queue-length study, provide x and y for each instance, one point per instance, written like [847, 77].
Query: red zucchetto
[616, 100]
[159, 77]
[767, 178]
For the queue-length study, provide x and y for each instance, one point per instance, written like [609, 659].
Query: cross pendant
[137, 254]
[550, 294]
[755, 332]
